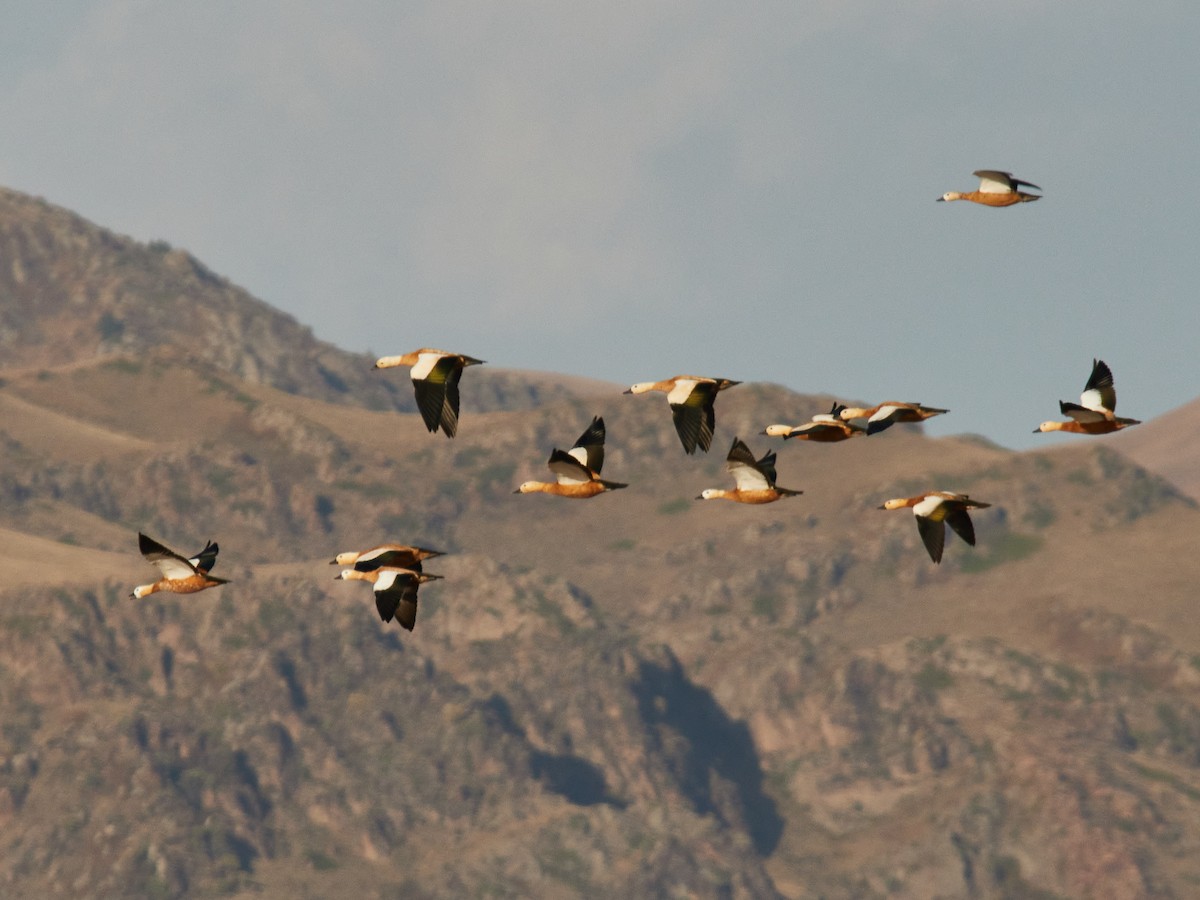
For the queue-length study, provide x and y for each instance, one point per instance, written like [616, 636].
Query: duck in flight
[691, 398]
[400, 556]
[577, 470]
[395, 591]
[754, 480]
[935, 510]
[885, 415]
[1096, 411]
[180, 575]
[435, 375]
[823, 428]
[996, 188]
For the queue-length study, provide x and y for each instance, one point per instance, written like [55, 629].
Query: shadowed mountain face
[636, 695]
[74, 293]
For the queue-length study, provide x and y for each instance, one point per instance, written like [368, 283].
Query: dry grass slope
[640, 695]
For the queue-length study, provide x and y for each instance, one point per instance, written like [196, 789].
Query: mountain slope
[74, 293]
[1168, 447]
[638, 695]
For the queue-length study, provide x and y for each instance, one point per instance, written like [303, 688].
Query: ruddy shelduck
[996, 189]
[754, 480]
[885, 415]
[577, 470]
[691, 398]
[400, 556]
[435, 375]
[395, 591]
[1095, 413]
[823, 428]
[180, 575]
[935, 510]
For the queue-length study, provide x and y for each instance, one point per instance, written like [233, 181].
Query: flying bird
[996, 189]
[435, 375]
[395, 591]
[691, 398]
[180, 575]
[577, 470]
[885, 415]
[754, 480]
[1096, 411]
[934, 511]
[400, 556]
[823, 428]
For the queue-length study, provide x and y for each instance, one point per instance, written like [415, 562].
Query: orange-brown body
[1102, 426]
[578, 491]
[770, 495]
[988, 199]
[189, 585]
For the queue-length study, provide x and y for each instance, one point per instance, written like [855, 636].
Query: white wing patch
[569, 473]
[748, 478]
[991, 186]
[928, 508]
[425, 364]
[1094, 400]
[387, 579]
[174, 568]
[682, 390]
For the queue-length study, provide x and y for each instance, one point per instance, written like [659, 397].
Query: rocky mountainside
[1167, 446]
[640, 695]
[74, 293]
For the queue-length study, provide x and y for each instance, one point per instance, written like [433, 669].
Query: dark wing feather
[450, 407]
[206, 558]
[437, 396]
[958, 519]
[1101, 381]
[1079, 413]
[695, 419]
[431, 398]
[398, 599]
[1101, 376]
[398, 559]
[934, 535]
[766, 465]
[592, 443]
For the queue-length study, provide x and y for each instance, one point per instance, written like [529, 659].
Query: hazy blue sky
[633, 190]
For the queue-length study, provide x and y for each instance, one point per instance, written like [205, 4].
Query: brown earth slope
[638, 695]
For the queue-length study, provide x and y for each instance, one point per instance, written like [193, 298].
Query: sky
[629, 191]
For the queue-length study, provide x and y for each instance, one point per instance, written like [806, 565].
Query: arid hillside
[1168, 447]
[637, 695]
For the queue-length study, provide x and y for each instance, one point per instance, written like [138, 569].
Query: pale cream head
[777, 430]
[896, 503]
[387, 362]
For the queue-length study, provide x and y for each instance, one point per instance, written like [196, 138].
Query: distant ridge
[72, 292]
[1168, 447]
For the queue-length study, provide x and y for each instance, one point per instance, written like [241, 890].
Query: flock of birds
[395, 570]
